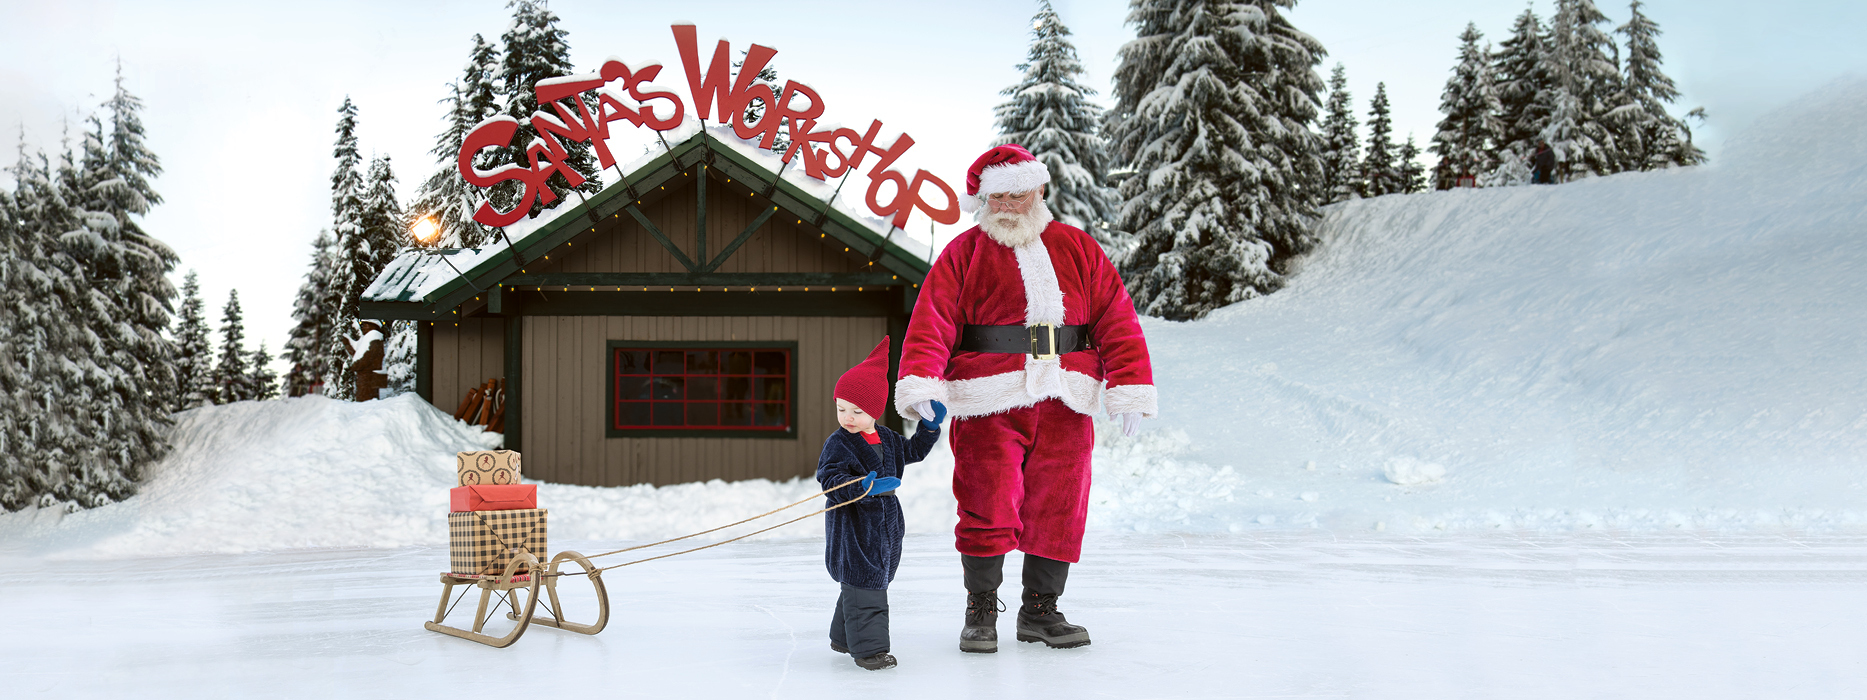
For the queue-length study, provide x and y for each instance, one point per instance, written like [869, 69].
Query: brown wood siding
[566, 368]
[782, 244]
[466, 354]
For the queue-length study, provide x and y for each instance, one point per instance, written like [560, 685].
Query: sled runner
[517, 587]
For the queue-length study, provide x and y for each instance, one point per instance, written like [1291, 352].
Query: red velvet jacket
[1062, 278]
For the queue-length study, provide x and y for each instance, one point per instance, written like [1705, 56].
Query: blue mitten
[867, 482]
[873, 485]
[939, 410]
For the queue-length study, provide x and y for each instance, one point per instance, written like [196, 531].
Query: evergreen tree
[1584, 65]
[1521, 73]
[314, 310]
[260, 379]
[1051, 116]
[14, 386]
[1470, 131]
[535, 49]
[384, 225]
[755, 107]
[445, 195]
[194, 362]
[1650, 136]
[1214, 104]
[1412, 174]
[398, 357]
[1380, 170]
[36, 466]
[1341, 151]
[356, 258]
[231, 375]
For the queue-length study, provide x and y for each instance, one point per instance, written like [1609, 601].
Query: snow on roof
[417, 272]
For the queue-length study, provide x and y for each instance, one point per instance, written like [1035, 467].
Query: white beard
[1015, 230]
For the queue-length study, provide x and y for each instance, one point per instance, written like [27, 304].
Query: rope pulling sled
[511, 584]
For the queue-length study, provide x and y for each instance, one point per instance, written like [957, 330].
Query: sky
[241, 97]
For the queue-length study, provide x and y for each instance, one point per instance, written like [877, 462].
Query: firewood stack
[485, 405]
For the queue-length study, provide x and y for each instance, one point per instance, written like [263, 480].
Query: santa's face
[1015, 218]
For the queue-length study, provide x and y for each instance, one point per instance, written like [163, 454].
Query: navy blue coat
[862, 542]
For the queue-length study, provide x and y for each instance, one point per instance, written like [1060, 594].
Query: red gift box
[487, 497]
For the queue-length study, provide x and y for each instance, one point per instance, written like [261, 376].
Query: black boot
[877, 662]
[1038, 618]
[983, 576]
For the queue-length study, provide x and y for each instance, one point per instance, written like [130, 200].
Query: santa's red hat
[866, 384]
[1007, 168]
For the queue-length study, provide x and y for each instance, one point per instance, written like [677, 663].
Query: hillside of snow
[1665, 351]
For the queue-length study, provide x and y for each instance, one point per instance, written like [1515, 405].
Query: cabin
[687, 323]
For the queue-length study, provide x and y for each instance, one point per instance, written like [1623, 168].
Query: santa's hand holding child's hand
[932, 412]
[872, 485]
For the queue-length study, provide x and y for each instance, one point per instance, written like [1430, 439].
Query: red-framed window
[702, 389]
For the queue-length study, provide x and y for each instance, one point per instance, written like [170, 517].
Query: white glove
[925, 408]
[1130, 423]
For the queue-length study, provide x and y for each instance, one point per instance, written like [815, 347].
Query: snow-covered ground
[1604, 438]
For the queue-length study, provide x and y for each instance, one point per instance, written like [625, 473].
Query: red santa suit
[1022, 432]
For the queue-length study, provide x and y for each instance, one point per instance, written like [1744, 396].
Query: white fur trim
[1043, 296]
[913, 390]
[1003, 392]
[968, 204]
[1134, 398]
[1013, 177]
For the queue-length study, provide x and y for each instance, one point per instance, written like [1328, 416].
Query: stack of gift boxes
[492, 516]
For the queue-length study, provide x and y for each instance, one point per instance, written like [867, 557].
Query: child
[862, 543]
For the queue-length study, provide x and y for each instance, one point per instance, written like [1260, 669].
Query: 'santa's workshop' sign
[626, 94]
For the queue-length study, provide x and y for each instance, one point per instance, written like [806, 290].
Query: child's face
[853, 419]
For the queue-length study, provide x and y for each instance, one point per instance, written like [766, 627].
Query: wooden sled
[511, 585]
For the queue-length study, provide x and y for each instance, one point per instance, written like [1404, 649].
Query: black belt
[1041, 340]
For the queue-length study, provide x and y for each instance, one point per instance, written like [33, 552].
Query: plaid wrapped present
[483, 542]
[490, 467]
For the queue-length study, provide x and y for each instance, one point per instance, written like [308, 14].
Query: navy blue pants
[860, 623]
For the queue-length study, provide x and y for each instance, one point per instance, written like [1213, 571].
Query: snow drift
[1674, 350]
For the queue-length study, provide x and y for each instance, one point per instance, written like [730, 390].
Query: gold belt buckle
[1051, 330]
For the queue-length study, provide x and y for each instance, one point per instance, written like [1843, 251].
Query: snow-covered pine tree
[357, 259]
[306, 347]
[1521, 73]
[1380, 171]
[536, 49]
[1470, 132]
[1341, 150]
[445, 195]
[1051, 116]
[384, 224]
[1412, 173]
[14, 474]
[1584, 65]
[136, 277]
[34, 474]
[1214, 105]
[260, 378]
[231, 375]
[1650, 136]
[398, 356]
[194, 359]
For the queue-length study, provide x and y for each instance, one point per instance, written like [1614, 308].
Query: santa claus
[1024, 330]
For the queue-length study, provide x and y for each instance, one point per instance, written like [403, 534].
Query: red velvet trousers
[1022, 480]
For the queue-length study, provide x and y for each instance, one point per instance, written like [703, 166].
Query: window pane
[702, 388]
[770, 414]
[772, 363]
[631, 388]
[631, 362]
[632, 413]
[737, 389]
[670, 361]
[669, 387]
[735, 414]
[770, 389]
[737, 363]
[669, 414]
[703, 362]
[703, 414]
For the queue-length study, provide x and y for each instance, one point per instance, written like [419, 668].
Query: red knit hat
[1007, 168]
[866, 384]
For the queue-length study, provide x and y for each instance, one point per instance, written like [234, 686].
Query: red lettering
[495, 133]
[908, 197]
[649, 118]
[713, 85]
